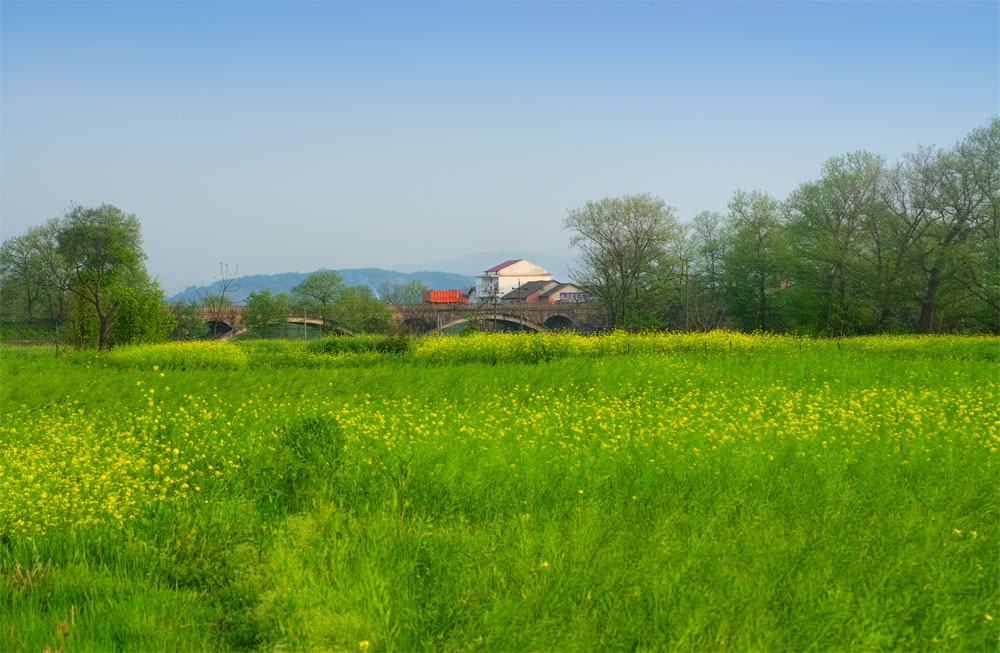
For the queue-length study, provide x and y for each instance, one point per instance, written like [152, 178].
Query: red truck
[445, 297]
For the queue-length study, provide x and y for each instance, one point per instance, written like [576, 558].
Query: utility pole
[521, 299]
[687, 297]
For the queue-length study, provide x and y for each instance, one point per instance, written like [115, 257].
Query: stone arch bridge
[227, 321]
[421, 319]
[520, 316]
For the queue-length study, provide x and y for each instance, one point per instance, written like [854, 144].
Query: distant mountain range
[474, 264]
[451, 273]
[285, 281]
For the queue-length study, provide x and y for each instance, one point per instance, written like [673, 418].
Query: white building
[499, 280]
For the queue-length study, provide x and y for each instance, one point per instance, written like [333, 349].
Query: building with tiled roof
[528, 292]
[500, 279]
[562, 292]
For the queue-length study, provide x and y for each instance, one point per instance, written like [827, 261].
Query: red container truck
[445, 297]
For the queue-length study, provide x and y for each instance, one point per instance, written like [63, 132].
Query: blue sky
[293, 136]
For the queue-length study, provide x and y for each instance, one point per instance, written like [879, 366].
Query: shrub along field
[554, 492]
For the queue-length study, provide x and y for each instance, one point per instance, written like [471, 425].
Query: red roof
[497, 268]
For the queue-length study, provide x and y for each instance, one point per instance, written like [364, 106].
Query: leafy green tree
[710, 239]
[951, 201]
[358, 310]
[265, 311]
[23, 274]
[901, 238]
[664, 291]
[981, 278]
[102, 248]
[620, 240]
[318, 292]
[755, 262]
[837, 270]
[143, 316]
[83, 328]
[944, 204]
[33, 277]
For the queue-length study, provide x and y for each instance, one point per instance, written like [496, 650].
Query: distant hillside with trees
[375, 278]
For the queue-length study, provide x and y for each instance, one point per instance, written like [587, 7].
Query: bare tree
[406, 292]
[707, 304]
[217, 301]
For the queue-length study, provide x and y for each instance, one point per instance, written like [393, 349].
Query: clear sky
[293, 136]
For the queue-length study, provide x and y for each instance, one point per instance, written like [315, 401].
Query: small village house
[500, 279]
[562, 292]
[528, 292]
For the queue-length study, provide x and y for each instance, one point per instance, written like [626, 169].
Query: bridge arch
[417, 325]
[218, 328]
[558, 323]
[310, 321]
[509, 322]
[338, 330]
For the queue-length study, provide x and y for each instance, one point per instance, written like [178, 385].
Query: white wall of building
[497, 284]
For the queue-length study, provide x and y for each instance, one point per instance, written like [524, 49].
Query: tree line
[85, 272]
[339, 308]
[82, 279]
[869, 247]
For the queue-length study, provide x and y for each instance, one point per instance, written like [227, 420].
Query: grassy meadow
[503, 492]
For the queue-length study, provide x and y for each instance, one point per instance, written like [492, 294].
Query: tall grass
[176, 355]
[504, 492]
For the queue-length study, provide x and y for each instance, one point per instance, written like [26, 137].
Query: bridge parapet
[535, 316]
[420, 319]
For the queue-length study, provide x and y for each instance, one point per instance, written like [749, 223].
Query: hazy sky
[294, 136]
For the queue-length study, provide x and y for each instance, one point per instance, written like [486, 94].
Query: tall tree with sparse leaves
[620, 239]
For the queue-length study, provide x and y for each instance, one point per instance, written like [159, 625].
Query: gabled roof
[558, 288]
[505, 264]
[517, 268]
[526, 289]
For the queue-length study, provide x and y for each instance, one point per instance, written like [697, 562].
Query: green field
[503, 492]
